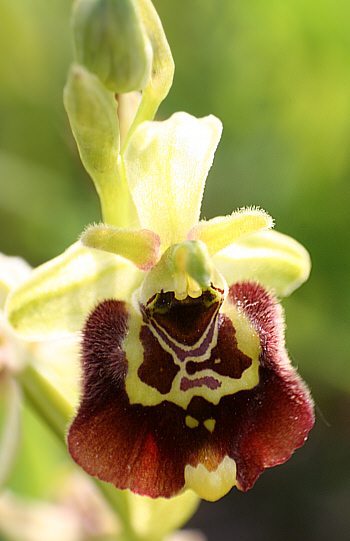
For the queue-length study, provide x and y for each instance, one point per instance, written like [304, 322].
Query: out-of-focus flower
[186, 535]
[13, 270]
[54, 360]
[76, 512]
[187, 383]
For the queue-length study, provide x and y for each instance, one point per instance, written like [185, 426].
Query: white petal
[166, 165]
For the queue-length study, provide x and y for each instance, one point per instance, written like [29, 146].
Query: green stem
[51, 406]
[146, 111]
[117, 206]
[56, 411]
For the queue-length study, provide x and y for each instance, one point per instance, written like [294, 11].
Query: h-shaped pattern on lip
[186, 349]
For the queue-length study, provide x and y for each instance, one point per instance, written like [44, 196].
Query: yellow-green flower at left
[13, 270]
[186, 379]
[52, 361]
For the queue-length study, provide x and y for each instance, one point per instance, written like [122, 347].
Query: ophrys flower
[186, 380]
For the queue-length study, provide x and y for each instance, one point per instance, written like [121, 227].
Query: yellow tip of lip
[211, 485]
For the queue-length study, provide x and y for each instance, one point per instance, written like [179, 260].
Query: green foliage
[275, 72]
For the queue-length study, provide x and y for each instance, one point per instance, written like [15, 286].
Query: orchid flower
[186, 380]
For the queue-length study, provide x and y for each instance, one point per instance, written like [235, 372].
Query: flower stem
[117, 206]
[56, 411]
[51, 406]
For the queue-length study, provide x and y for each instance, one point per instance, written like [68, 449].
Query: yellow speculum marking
[141, 393]
[210, 424]
[191, 422]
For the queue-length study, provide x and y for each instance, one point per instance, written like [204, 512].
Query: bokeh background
[277, 73]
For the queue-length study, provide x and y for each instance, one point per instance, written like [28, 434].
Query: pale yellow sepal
[225, 230]
[275, 260]
[140, 246]
[166, 165]
[57, 297]
[152, 519]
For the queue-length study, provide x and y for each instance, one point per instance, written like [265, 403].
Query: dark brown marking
[226, 359]
[185, 320]
[158, 368]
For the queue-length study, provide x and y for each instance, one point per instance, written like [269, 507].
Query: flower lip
[170, 419]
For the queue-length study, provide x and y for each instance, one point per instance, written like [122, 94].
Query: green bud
[93, 115]
[111, 41]
[92, 112]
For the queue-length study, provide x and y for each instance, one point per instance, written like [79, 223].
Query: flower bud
[111, 41]
[92, 112]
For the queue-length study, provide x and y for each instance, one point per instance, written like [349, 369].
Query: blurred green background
[277, 73]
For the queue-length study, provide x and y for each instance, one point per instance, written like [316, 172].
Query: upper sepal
[166, 164]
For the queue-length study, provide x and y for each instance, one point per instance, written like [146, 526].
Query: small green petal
[275, 260]
[225, 230]
[141, 246]
[166, 165]
[57, 297]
